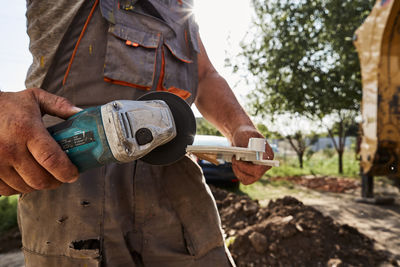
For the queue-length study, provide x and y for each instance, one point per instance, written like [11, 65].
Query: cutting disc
[185, 124]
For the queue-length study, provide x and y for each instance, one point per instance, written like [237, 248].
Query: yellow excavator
[378, 45]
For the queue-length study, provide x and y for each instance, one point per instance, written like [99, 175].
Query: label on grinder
[77, 140]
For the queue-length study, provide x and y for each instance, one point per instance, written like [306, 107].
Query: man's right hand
[30, 159]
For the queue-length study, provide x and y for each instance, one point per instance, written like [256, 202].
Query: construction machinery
[378, 44]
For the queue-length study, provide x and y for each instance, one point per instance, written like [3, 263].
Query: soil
[323, 183]
[288, 233]
[10, 240]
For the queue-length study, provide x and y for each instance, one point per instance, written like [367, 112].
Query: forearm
[217, 103]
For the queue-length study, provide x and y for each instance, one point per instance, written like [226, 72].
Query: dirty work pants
[131, 214]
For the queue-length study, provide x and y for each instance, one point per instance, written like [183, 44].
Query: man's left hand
[247, 172]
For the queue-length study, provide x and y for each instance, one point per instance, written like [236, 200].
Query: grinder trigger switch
[143, 136]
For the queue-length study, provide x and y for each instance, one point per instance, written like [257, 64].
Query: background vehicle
[222, 174]
[219, 175]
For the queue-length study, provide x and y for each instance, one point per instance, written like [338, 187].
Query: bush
[309, 154]
[329, 152]
[8, 213]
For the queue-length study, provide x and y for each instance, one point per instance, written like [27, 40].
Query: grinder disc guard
[185, 123]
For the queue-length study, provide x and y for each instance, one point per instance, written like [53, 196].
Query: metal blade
[185, 123]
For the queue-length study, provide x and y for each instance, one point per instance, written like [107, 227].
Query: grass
[265, 189]
[8, 213]
[320, 163]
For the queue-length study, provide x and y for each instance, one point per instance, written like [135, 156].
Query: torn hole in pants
[86, 244]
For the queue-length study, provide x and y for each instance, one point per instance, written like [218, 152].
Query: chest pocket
[146, 52]
[131, 57]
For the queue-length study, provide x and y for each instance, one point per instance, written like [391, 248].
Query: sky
[14, 54]
[223, 24]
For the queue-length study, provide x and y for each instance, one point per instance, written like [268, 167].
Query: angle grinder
[156, 128]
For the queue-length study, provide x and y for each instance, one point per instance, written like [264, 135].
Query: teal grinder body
[83, 138]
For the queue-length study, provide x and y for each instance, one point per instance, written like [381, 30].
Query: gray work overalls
[130, 214]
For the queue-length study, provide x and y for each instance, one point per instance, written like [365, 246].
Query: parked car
[219, 175]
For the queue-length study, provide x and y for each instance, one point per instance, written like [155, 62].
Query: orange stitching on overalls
[181, 59]
[109, 80]
[179, 92]
[79, 40]
[160, 87]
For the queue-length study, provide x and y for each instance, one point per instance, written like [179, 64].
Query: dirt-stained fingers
[12, 179]
[6, 190]
[49, 155]
[30, 158]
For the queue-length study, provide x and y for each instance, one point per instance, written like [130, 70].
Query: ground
[317, 228]
[380, 222]
[312, 227]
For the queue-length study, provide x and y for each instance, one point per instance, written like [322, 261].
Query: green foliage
[313, 138]
[266, 132]
[309, 153]
[353, 129]
[301, 144]
[206, 128]
[303, 58]
[8, 213]
[328, 152]
[321, 163]
[267, 189]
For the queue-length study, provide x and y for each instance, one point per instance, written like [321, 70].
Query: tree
[303, 61]
[206, 128]
[343, 128]
[298, 143]
[294, 130]
[301, 144]
[264, 130]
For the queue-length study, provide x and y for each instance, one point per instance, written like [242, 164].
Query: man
[91, 52]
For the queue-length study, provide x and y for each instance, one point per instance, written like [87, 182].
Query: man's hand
[247, 172]
[30, 159]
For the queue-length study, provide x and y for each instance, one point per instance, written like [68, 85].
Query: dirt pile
[324, 183]
[289, 233]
